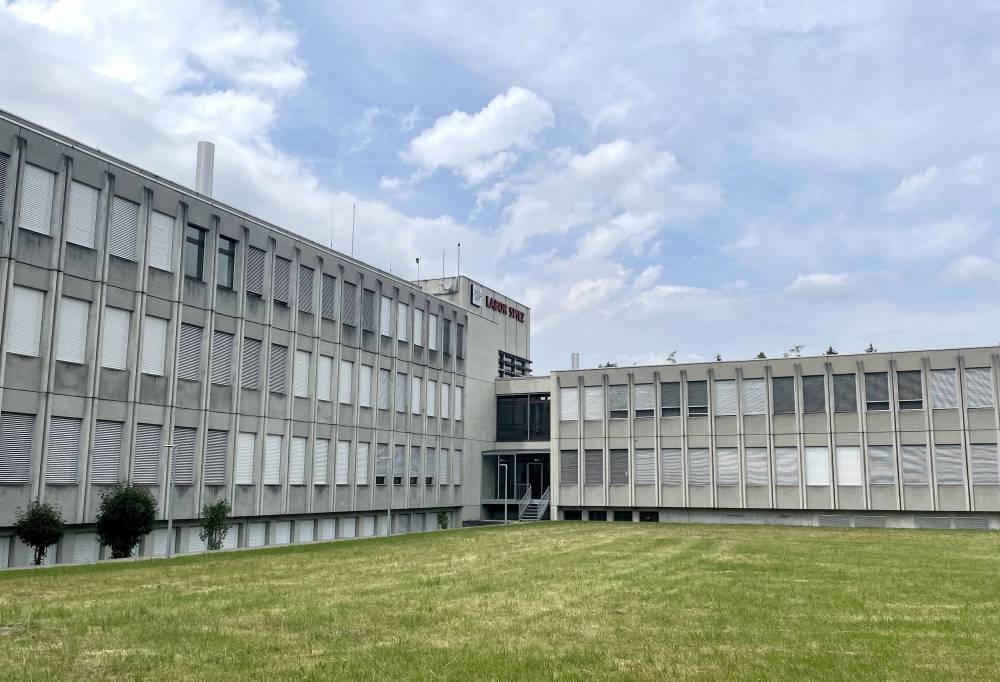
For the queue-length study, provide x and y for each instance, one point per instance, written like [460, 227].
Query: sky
[705, 178]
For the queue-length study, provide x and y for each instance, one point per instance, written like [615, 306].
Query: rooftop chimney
[574, 361]
[205, 169]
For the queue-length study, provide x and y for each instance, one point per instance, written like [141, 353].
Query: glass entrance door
[538, 478]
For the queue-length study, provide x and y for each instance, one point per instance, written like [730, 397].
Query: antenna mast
[460, 259]
[354, 213]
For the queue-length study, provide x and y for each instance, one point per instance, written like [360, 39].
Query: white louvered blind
[402, 317]
[342, 463]
[618, 400]
[786, 466]
[17, 433]
[979, 387]
[328, 300]
[216, 448]
[593, 403]
[384, 378]
[297, 461]
[344, 380]
[758, 467]
[305, 529]
[161, 241]
[327, 529]
[881, 465]
[24, 321]
[272, 459]
[184, 443]
[699, 466]
[86, 548]
[72, 319]
[324, 378]
[81, 214]
[368, 310]
[645, 466]
[398, 464]
[569, 467]
[948, 467]
[349, 304]
[282, 279]
[222, 358]
[349, 527]
[849, 466]
[114, 340]
[245, 445]
[430, 465]
[754, 396]
[672, 466]
[385, 316]
[306, 275]
[62, 452]
[432, 332]
[154, 345]
[124, 228]
[817, 466]
[456, 467]
[256, 534]
[321, 457]
[277, 381]
[4, 160]
[593, 467]
[943, 393]
[415, 395]
[569, 403]
[105, 454]
[443, 466]
[725, 397]
[418, 326]
[146, 458]
[914, 464]
[446, 401]
[282, 532]
[984, 464]
[431, 397]
[727, 466]
[400, 392]
[189, 353]
[459, 402]
[250, 374]
[644, 400]
[362, 456]
[365, 386]
[256, 260]
[37, 188]
[300, 374]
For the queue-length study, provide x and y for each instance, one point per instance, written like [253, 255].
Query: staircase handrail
[543, 504]
[523, 504]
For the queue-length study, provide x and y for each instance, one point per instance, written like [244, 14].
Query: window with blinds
[725, 398]
[363, 455]
[431, 398]
[978, 387]
[398, 464]
[256, 259]
[911, 390]
[277, 379]
[754, 397]
[813, 394]
[216, 449]
[297, 461]
[300, 373]
[446, 401]
[160, 240]
[569, 467]
[222, 358]
[418, 326]
[645, 466]
[783, 395]
[81, 214]
[124, 228]
[62, 451]
[72, 319]
[697, 398]
[306, 289]
[459, 402]
[985, 470]
[328, 298]
[105, 453]
[944, 395]
[618, 401]
[414, 465]
[914, 464]
[184, 443]
[671, 466]
[402, 318]
[385, 316]
[881, 465]
[17, 433]
[24, 321]
[256, 534]
[400, 392]
[644, 400]
[460, 340]
[877, 391]
[849, 466]
[114, 339]
[415, 395]
[365, 386]
[948, 467]
[4, 161]
[250, 374]
[446, 336]
[432, 332]
[321, 456]
[282, 282]
[593, 467]
[786, 466]
[382, 462]
[817, 466]
[154, 346]
[727, 463]
[146, 457]
[344, 380]
[569, 404]
[349, 304]
[699, 466]
[272, 459]
[324, 378]
[37, 189]
[758, 467]
[367, 310]
[430, 465]
[456, 467]
[593, 403]
[383, 389]
[246, 445]
[845, 396]
[189, 353]
[443, 468]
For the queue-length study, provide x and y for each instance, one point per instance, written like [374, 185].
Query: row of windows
[787, 466]
[351, 465]
[727, 399]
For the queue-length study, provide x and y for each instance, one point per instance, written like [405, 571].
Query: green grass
[545, 601]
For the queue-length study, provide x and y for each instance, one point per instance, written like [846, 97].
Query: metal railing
[523, 504]
[543, 504]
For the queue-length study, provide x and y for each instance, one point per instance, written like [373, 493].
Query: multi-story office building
[321, 396]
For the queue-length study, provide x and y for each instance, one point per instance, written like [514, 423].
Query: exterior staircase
[531, 510]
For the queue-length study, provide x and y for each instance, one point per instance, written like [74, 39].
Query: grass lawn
[542, 601]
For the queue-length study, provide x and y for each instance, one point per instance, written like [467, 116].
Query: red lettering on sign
[504, 309]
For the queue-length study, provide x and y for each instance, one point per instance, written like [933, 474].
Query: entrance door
[538, 478]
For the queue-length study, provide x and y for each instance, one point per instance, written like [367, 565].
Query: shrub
[125, 514]
[39, 526]
[443, 520]
[215, 524]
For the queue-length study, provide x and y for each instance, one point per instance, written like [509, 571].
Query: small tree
[718, 357]
[871, 348]
[761, 356]
[795, 351]
[672, 357]
[830, 351]
[125, 514]
[39, 526]
[443, 520]
[607, 364]
[215, 524]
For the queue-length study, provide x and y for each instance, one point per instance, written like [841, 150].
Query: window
[146, 457]
[184, 440]
[979, 387]
[783, 395]
[569, 467]
[246, 443]
[216, 447]
[297, 461]
[414, 465]
[569, 404]
[189, 353]
[432, 332]
[222, 358]
[81, 213]
[644, 399]
[645, 466]
[415, 395]
[593, 467]
[818, 466]
[24, 321]
[123, 229]
[948, 466]
[786, 466]
[725, 397]
[282, 287]
[446, 401]
[914, 464]
[105, 453]
[431, 398]
[398, 464]
[697, 398]
[194, 252]
[876, 391]
[728, 466]
[250, 371]
[402, 317]
[881, 465]
[226, 275]
[400, 393]
[845, 397]
[671, 466]
[342, 463]
[754, 397]
[161, 241]
[510, 365]
[4, 160]
[911, 390]
[344, 381]
[430, 465]
[593, 403]
[324, 378]
[154, 345]
[272, 459]
[446, 336]
[460, 403]
[849, 466]
[367, 310]
[984, 464]
[443, 467]
[62, 455]
[361, 468]
[349, 304]
[17, 432]
[114, 340]
[37, 189]
[813, 394]
[456, 467]
[758, 469]
[383, 389]
[321, 454]
[72, 319]
[365, 386]
[328, 304]
[943, 393]
[418, 326]
[460, 341]
[385, 316]
[255, 271]
[381, 463]
[618, 401]
[699, 466]
[306, 289]
[519, 417]
[278, 377]
[300, 374]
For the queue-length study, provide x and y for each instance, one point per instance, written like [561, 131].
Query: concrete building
[321, 396]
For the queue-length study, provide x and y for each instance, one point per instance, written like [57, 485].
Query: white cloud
[972, 269]
[911, 189]
[820, 285]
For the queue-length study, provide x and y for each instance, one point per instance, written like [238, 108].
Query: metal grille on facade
[72, 319]
[161, 241]
[728, 463]
[984, 464]
[37, 188]
[881, 465]
[245, 446]
[24, 321]
[342, 462]
[813, 394]
[114, 342]
[222, 358]
[725, 397]
[979, 387]
[328, 301]
[184, 442]
[321, 455]
[146, 458]
[81, 214]
[256, 259]
[783, 395]
[277, 378]
[62, 455]
[189, 353]
[672, 466]
[250, 370]
[297, 461]
[272, 460]
[569, 404]
[349, 304]
[154, 345]
[593, 403]
[699, 466]
[569, 467]
[943, 393]
[306, 289]
[786, 466]
[645, 466]
[845, 395]
[367, 310]
[282, 279]
[914, 464]
[124, 228]
[948, 467]
[593, 469]
[105, 454]
[754, 396]
[216, 447]
[758, 469]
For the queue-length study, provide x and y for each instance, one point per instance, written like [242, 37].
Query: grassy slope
[564, 601]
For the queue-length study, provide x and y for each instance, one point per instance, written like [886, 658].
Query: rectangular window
[699, 466]
[62, 451]
[727, 462]
[324, 378]
[430, 464]
[305, 292]
[754, 397]
[4, 160]
[460, 341]
[256, 258]
[184, 443]
[381, 463]
[432, 332]
[328, 303]
[344, 382]
[431, 397]
[72, 319]
[979, 387]
[813, 394]
[645, 466]
[672, 466]
[446, 401]
[321, 456]
[282, 287]
[414, 465]
[225, 275]
[37, 189]
[398, 464]
[349, 304]
[216, 449]
[697, 398]
[593, 403]
[250, 369]
[456, 467]
[443, 467]
[400, 392]
[402, 318]
[845, 396]
[446, 336]
[786, 466]
[985, 470]
[569, 467]
[459, 402]
[943, 393]
[24, 321]
[644, 399]
[363, 455]
[593, 467]
[783, 395]
[246, 444]
[385, 316]
[114, 340]
[342, 463]
[277, 381]
[17, 432]
[881, 465]
[367, 310]
[725, 397]
[105, 454]
[300, 374]
[297, 461]
[154, 345]
[146, 458]
[948, 466]
[272, 459]
[384, 379]
[758, 467]
[914, 463]
[194, 252]
[222, 358]
[817, 466]
[849, 466]
[161, 241]
[911, 390]
[81, 213]
[877, 391]
[418, 326]
[123, 229]
[189, 353]
[365, 386]
[415, 395]
[618, 401]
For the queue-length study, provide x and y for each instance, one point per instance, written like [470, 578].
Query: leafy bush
[39, 526]
[215, 524]
[443, 520]
[125, 514]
